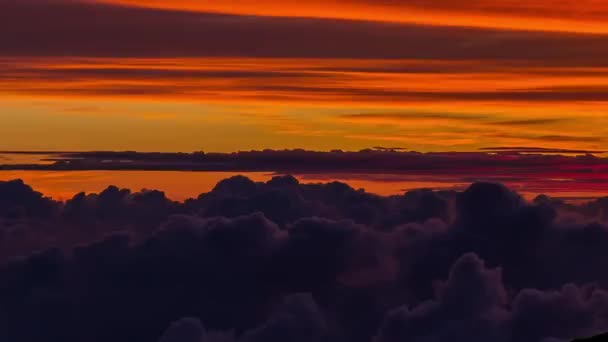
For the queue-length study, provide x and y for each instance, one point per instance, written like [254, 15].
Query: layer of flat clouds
[63, 28]
[319, 81]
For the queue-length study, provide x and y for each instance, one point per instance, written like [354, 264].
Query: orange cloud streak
[419, 103]
[577, 16]
[321, 81]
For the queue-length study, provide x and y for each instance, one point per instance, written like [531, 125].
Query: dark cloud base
[298, 161]
[283, 261]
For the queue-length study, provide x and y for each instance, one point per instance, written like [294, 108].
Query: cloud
[312, 79]
[185, 330]
[474, 121]
[281, 261]
[535, 169]
[560, 138]
[504, 14]
[532, 122]
[473, 306]
[411, 118]
[298, 319]
[524, 149]
[67, 28]
[20, 200]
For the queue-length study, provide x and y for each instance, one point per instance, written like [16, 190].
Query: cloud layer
[534, 170]
[283, 261]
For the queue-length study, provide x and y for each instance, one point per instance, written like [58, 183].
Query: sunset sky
[185, 75]
[303, 170]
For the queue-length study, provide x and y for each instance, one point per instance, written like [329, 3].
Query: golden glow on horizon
[179, 186]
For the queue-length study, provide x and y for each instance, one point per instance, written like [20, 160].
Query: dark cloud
[598, 338]
[473, 305]
[481, 119]
[20, 200]
[538, 170]
[297, 319]
[532, 122]
[561, 138]
[72, 28]
[185, 330]
[570, 138]
[500, 7]
[283, 261]
[302, 161]
[538, 150]
[550, 94]
[414, 116]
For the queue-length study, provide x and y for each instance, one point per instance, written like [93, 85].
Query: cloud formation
[283, 261]
[564, 16]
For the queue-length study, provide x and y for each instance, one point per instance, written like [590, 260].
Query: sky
[303, 170]
[186, 75]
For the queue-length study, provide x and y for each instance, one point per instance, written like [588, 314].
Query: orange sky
[180, 186]
[139, 75]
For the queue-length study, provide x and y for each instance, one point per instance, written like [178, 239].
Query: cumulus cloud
[20, 200]
[284, 261]
[473, 305]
